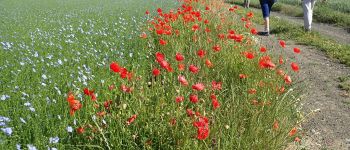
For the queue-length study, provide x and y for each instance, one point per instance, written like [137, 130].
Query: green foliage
[51, 49]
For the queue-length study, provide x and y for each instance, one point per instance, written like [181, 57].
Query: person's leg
[307, 7]
[248, 3]
[266, 14]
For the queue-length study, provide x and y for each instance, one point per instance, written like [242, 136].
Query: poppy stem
[103, 135]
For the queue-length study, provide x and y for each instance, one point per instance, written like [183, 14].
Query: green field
[52, 50]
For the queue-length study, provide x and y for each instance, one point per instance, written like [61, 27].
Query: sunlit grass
[53, 49]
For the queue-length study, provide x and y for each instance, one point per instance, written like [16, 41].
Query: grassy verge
[322, 13]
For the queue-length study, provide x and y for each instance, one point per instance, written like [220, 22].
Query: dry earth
[325, 105]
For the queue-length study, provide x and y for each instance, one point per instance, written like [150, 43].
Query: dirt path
[329, 126]
[336, 33]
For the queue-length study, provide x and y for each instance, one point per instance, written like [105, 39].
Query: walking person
[266, 6]
[246, 3]
[308, 7]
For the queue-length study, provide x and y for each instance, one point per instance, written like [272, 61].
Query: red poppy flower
[296, 50]
[295, 67]
[131, 119]
[160, 31]
[236, 37]
[281, 61]
[143, 35]
[179, 99]
[162, 42]
[221, 36]
[250, 14]
[263, 49]
[156, 71]
[265, 62]
[181, 67]
[216, 85]
[254, 31]
[281, 89]
[214, 101]
[164, 64]
[126, 89]
[249, 55]
[282, 43]
[147, 12]
[159, 10]
[216, 48]
[73, 104]
[275, 125]
[107, 103]
[254, 102]
[179, 57]
[297, 139]
[231, 31]
[206, 21]
[123, 73]
[280, 72]
[242, 76]
[88, 92]
[182, 80]
[101, 114]
[252, 91]
[114, 67]
[201, 53]
[172, 121]
[293, 131]
[198, 86]
[208, 63]
[177, 32]
[207, 8]
[194, 69]
[80, 130]
[111, 87]
[287, 79]
[189, 112]
[195, 27]
[193, 98]
[202, 128]
[247, 24]
[159, 56]
[231, 9]
[207, 30]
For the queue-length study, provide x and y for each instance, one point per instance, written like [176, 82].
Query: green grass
[344, 83]
[52, 48]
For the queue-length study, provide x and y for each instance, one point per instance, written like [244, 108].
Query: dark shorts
[266, 7]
